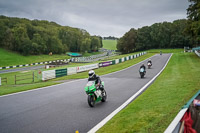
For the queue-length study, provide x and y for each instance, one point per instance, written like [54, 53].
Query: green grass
[110, 44]
[10, 58]
[165, 50]
[155, 108]
[12, 88]
[90, 54]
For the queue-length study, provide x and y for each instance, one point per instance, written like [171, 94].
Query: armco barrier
[104, 64]
[61, 72]
[113, 62]
[175, 125]
[116, 61]
[87, 67]
[25, 65]
[50, 74]
[73, 70]
[197, 53]
[107, 63]
[122, 59]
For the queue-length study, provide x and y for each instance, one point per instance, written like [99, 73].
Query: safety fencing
[3, 80]
[50, 74]
[21, 78]
[197, 53]
[89, 58]
[32, 64]
[181, 123]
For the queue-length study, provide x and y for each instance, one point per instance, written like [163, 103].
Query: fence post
[33, 77]
[15, 79]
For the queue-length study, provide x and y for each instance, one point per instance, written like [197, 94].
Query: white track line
[105, 120]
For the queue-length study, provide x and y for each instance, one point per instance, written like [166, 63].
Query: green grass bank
[156, 107]
[10, 58]
[110, 44]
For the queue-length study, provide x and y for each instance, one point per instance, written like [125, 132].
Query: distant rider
[96, 78]
[143, 66]
[149, 61]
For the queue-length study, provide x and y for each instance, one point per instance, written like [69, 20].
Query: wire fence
[22, 78]
[4, 80]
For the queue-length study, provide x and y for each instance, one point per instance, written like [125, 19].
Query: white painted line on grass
[105, 120]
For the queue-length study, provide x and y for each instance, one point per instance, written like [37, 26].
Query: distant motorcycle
[95, 94]
[142, 72]
[149, 65]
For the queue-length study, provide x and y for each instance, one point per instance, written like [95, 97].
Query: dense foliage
[42, 37]
[193, 28]
[110, 38]
[177, 34]
[158, 35]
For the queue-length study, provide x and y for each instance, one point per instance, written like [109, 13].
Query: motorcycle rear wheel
[104, 96]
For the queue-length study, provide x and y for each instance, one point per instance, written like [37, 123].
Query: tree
[55, 45]
[19, 35]
[193, 27]
[95, 43]
[127, 43]
[85, 45]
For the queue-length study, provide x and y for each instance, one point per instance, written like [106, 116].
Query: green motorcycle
[95, 95]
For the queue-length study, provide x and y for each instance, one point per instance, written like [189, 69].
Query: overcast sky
[98, 17]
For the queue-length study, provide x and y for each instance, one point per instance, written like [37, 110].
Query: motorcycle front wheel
[91, 100]
[142, 75]
[104, 96]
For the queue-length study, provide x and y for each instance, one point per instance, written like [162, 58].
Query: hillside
[9, 58]
[110, 44]
[34, 37]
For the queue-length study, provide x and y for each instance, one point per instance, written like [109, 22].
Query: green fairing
[91, 88]
[91, 91]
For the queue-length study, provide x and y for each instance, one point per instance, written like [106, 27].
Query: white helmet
[91, 73]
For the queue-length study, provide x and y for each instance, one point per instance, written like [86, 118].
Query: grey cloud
[99, 17]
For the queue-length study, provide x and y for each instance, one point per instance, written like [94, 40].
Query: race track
[64, 109]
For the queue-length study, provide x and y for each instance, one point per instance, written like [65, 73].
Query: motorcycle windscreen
[90, 83]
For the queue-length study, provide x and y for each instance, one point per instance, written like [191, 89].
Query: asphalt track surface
[63, 108]
[22, 69]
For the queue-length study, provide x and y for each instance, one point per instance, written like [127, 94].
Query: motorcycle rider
[96, 78]
[143, 66]
[149, 61]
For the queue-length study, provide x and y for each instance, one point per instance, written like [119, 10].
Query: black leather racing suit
[97, 80]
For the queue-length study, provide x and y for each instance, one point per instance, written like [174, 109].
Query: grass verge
[110, 44]
[155, 108]
[10, 58]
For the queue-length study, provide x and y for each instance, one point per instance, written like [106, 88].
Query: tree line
[176, 34]
[42, 37]
[110, 38]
